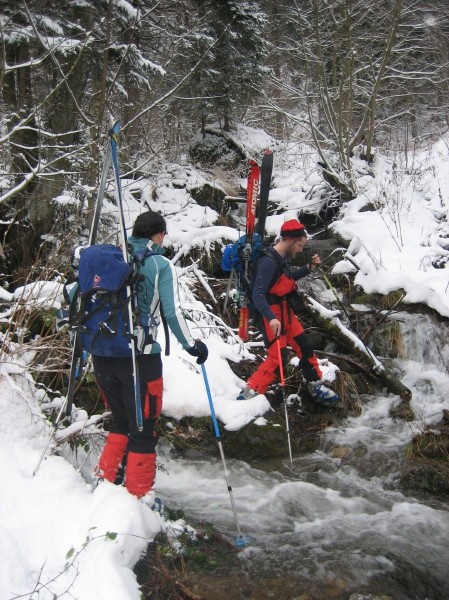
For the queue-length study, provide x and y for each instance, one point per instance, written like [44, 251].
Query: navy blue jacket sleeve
[264, 275]
[299, 272]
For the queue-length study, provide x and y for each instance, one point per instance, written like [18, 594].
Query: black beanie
[148, 224]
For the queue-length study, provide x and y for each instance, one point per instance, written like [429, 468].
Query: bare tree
[354, 65]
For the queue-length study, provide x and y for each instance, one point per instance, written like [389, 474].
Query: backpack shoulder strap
[139, 260]
[72, 302]
[276, 258]
[140, 255]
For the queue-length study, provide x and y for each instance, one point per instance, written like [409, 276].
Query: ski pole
[232, 277]
[281, 372]
[118, 192]
[332, 289]
[92, 239]
[50, 437]
[76, 368]
[240, 541]
[101, 190]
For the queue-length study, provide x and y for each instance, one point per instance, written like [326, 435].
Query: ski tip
[268, 151]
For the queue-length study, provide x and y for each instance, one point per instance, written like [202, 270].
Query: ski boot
[322, 394]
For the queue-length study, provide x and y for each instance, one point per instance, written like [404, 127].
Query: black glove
[200, 350]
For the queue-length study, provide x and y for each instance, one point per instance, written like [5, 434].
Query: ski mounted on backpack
[240, 257]
[266, 170]
[103, 309]
[252, 192]
[76, 365]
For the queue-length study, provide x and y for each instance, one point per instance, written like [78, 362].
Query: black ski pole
[266, 170]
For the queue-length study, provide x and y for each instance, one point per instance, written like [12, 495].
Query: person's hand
[199, 349]
[275, 326]
[315, 262]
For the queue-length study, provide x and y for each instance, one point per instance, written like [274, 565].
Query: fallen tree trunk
[330, 321]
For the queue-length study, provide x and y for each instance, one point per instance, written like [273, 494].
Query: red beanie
[292, 229]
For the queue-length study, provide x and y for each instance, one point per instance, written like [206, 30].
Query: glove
[200, 350]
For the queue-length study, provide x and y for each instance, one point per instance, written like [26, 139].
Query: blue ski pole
[240, 541]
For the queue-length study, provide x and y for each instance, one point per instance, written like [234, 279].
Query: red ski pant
[293, 335]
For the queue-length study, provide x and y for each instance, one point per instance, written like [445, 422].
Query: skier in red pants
[157, 291]
[274, 282]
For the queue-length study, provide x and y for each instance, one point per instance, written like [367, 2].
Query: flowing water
[326, 527]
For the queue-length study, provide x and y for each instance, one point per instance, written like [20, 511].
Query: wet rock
[209, 195]
[426, 478]
[445, 423]
[254, 441]
[368, 207]
[403, 411]
[211, 149]
[340, 452]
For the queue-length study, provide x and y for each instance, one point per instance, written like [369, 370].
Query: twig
[204, 283]
[345, 358]
[384, 316]
[188, 594]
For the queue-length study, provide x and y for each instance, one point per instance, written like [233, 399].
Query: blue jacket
[268, 271]
[160, 288]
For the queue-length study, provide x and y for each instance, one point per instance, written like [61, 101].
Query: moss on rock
[426, 477]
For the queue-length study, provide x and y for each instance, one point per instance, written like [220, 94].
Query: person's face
[296, 246]
[159, 238]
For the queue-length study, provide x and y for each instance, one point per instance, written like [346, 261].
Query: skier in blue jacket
[157, 290]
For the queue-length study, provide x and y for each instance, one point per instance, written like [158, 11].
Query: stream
[326, 527]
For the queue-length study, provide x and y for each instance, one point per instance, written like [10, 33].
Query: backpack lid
[102, 268]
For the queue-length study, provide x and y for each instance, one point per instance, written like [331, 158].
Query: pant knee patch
[153, 399]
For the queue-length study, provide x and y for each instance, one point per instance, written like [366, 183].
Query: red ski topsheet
[252, 194]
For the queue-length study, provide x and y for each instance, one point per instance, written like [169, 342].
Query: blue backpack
[233, 253]
[99, 310]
